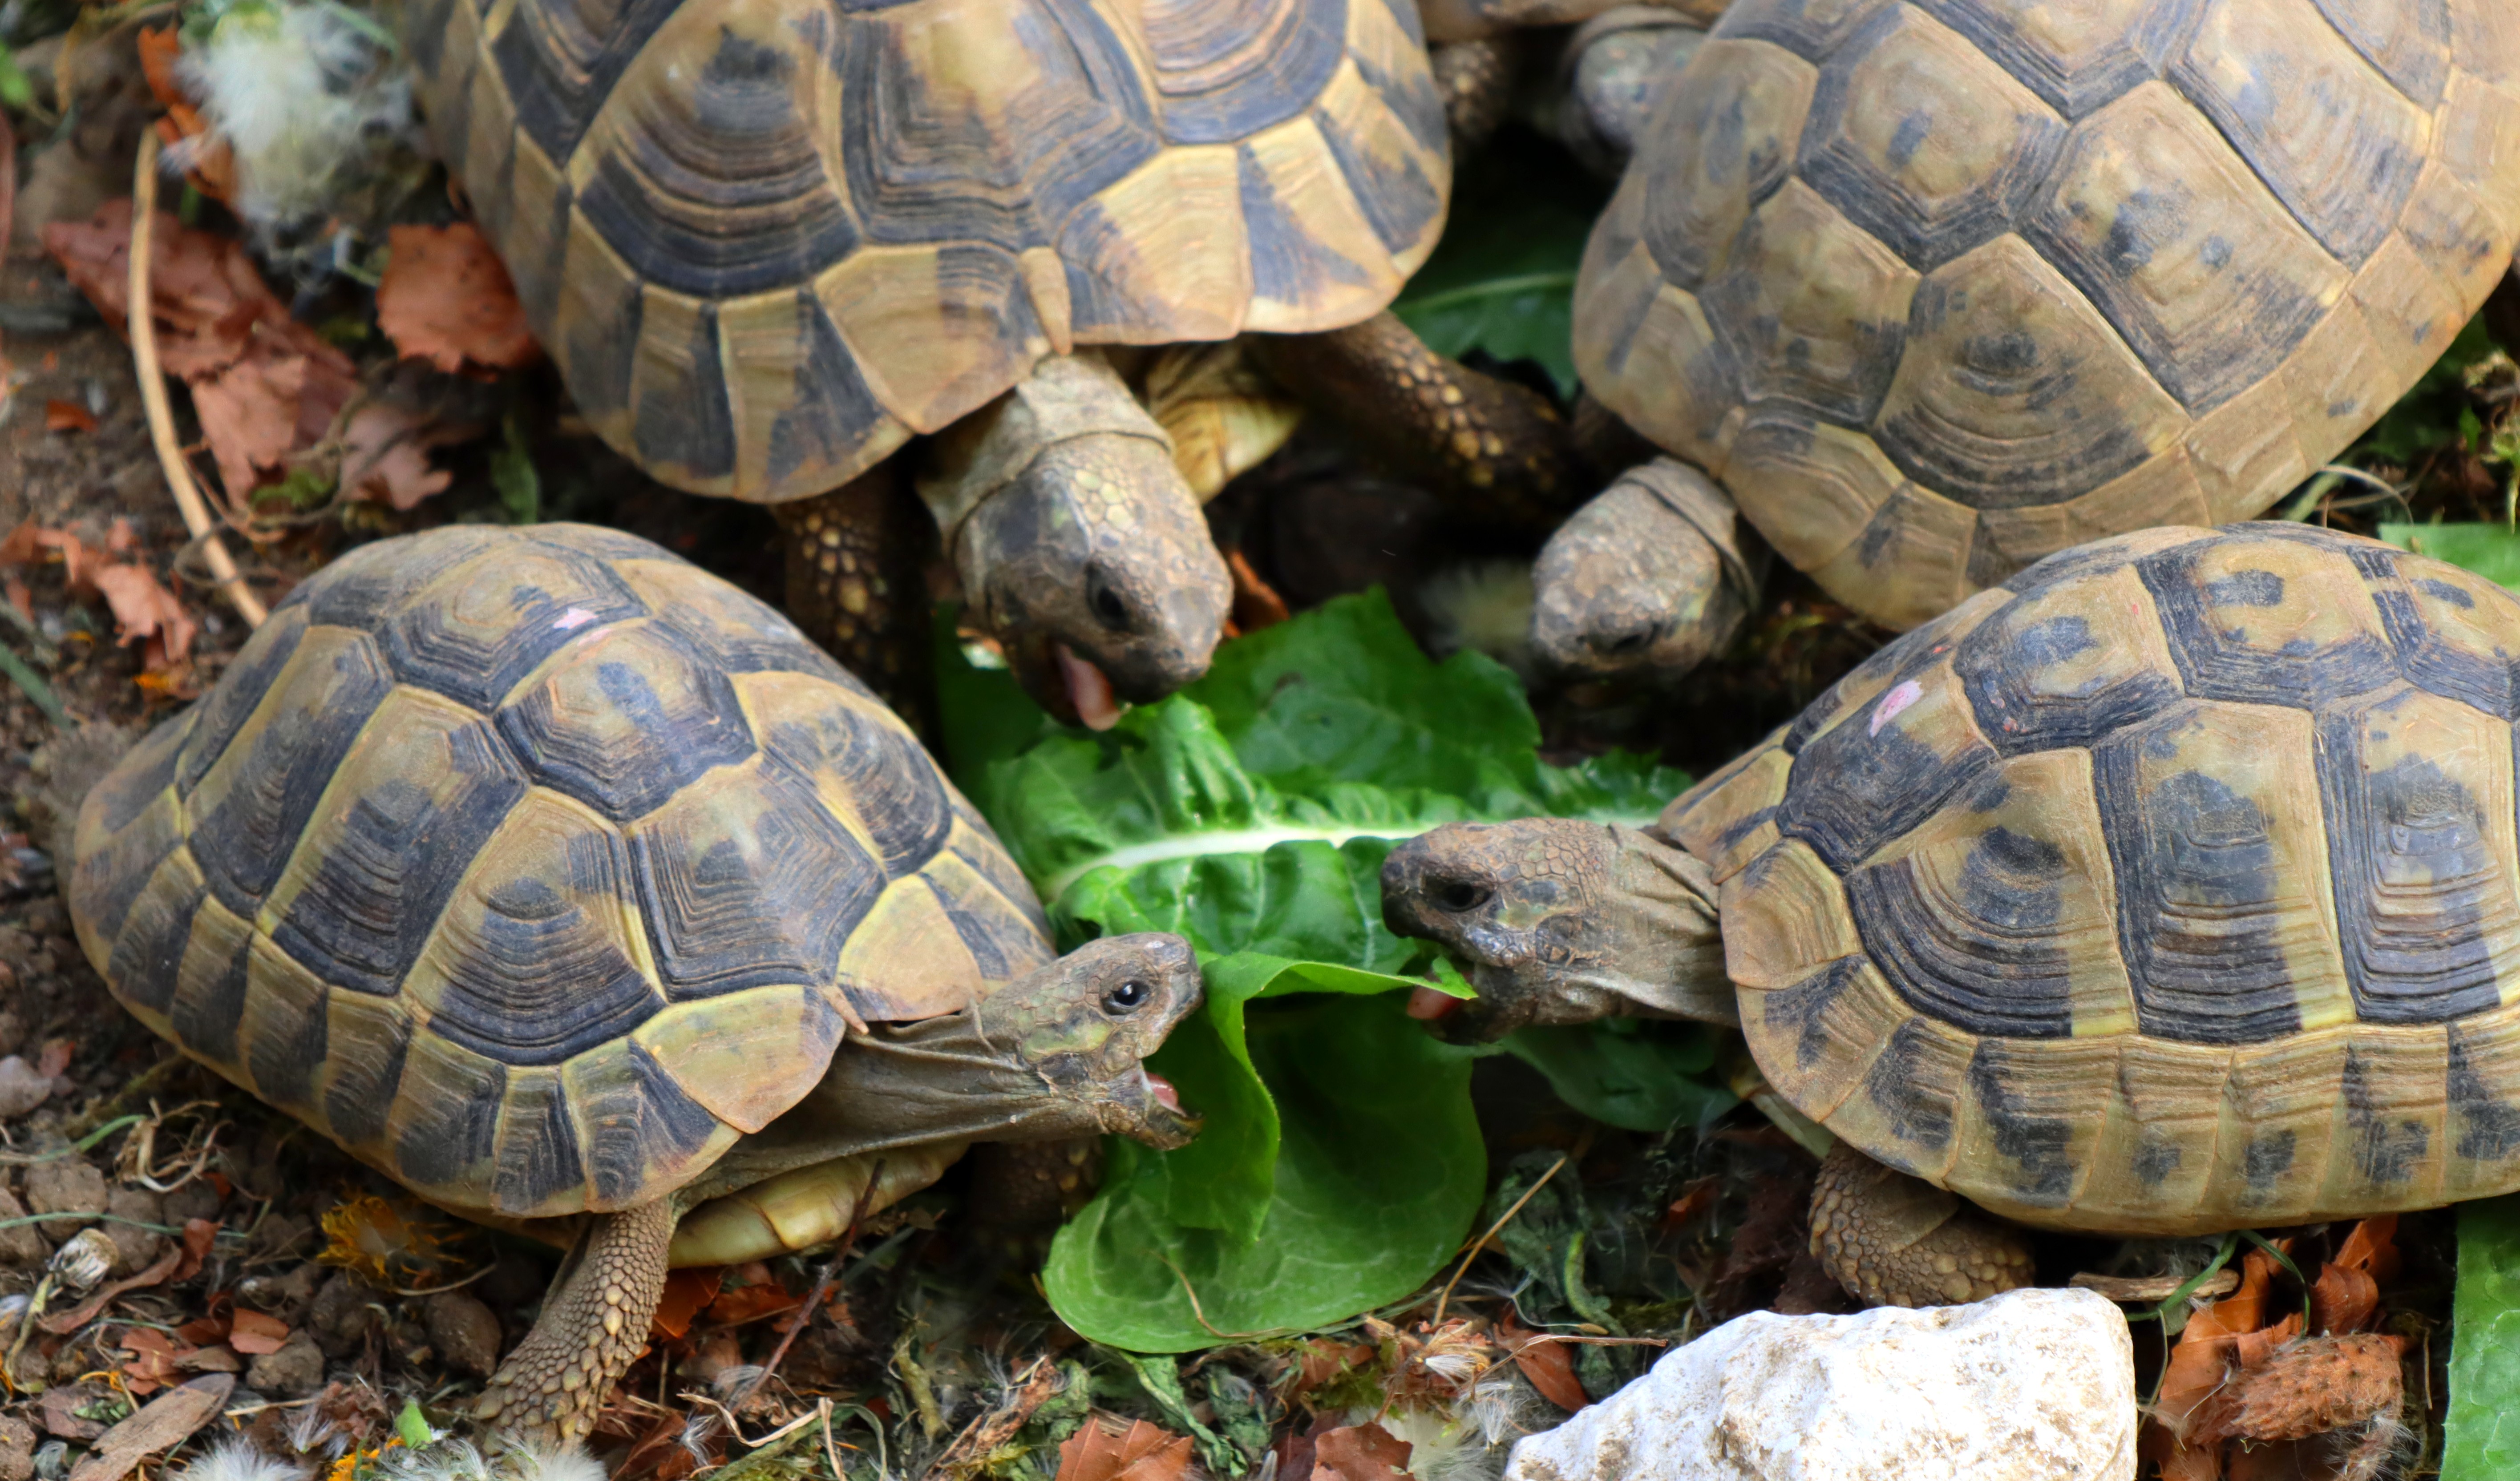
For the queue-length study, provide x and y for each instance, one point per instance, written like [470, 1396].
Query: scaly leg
[1896, 1241]
[1477, 80]
[593, 1322]
[855, 584]
[1498, 450]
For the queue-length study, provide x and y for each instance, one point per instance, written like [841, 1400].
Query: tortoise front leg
[1498, 450]
[856, 586]
[594, 1323]
[1896, 1241]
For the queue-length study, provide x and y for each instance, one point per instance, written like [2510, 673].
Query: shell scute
[744, 881]
[478, 628]
[627, 718]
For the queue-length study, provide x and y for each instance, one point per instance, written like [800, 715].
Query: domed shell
[535, 866]
[768, 240]
[2171, 887]
[1938, 286]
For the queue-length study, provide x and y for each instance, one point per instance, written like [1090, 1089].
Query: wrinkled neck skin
[1070, 525]
[1577, 921]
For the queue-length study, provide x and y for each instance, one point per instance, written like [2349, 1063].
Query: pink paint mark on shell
[1893, 703]
[572, 619]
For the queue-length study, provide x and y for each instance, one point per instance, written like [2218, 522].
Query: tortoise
[2169, 887]
[565, 883]
[1935, 288]
[768, 242]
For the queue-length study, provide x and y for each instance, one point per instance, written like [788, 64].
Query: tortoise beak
[1150, 1111]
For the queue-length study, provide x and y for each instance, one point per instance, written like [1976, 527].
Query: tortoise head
[1556, 920]
[1096, 570]
[1060, 1052]
[1635, 588]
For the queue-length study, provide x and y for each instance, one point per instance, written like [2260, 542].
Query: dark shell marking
[494, 848]
[2172, 887]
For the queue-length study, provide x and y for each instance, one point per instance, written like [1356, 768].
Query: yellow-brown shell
[2171, 887]
[1938, 286]
[768, 240]
[536, 867]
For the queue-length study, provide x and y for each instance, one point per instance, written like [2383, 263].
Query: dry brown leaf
[1107, 1448]
[1360, 1453]
[385, 454]
[263, 385]
[447, 300]
[255, 1334]
[68, 417]
[687, 1292]
[1548, 1365]
[60, 1406]
[147, 611]
[61, 1323]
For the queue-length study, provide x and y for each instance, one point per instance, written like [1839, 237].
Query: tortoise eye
[1461, 896]
[1110, 608]
[1127, 998]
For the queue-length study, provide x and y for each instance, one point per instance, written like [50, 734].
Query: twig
[140, 317]
[1200, 1316]
[439, 1291]
[1481, 1243]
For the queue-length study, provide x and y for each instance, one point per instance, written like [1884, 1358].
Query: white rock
[22, 1089]
[2032, 1385]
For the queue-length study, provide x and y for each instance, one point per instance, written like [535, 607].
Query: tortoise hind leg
[1499, 451]
[592, 1324]
[856, 586]
[1896, 1241]
[1477, 80]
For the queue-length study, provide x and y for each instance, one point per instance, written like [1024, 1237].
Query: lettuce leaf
[2481, 1434]
[1251, 814]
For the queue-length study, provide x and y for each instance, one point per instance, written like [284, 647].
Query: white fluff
[1484, 606]
[534, 1462]
[235, 1458]
[303, 95]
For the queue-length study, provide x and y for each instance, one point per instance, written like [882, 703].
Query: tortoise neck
[1673, 947]
[937, 1080]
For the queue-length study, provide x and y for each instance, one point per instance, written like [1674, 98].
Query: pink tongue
[1164, 1092]
[1427, 1005]
[1088, 691]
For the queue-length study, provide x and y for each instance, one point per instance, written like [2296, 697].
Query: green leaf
[20, 673]
[1503, 278]
[2492, 551]
[1631, 1073]
[512, 474]
[2481, 1435]
[2428, 415]
[411, 1426]
[1379, 1171]
[16, 90]
[1339, 1162]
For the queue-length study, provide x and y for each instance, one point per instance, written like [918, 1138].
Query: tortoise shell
[534, 867]
[767, 241]
[2170, 888]
[1939, 287]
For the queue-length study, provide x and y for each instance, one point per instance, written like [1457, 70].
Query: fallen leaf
[166, 1422]
[255, 1333]
[1548, 1365]
[1360, 1453]
[60, 1408]
[199, 1236]
[1107, 1448]
[160, 48]
[55, 1059]
[445, 299]
[751, 1303]
[68, 417]
[263, 385]
[687, 1292]
[385, 454]
[153, 1357]
[147, 611]
[61, 1323]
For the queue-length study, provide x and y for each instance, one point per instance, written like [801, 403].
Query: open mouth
[1089, 692]
[1161, 1123]
[1165, 1095]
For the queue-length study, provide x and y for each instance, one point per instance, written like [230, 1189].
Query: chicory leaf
[1635, 1074]
[1379, 1171]
[2492, 551]
[2481, 1435]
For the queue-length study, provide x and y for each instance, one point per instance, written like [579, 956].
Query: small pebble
[21, 1090]
[295, 1371]
[465, 1332]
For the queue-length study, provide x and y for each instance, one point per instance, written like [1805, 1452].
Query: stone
[187, 1202]
[22, 1089]
[19, 1244]
[294, 1372]
[65, 1185]
[2031, 1385]
[342, 1315]
[17, 1449]
[135, 1249]
[465, 1332]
